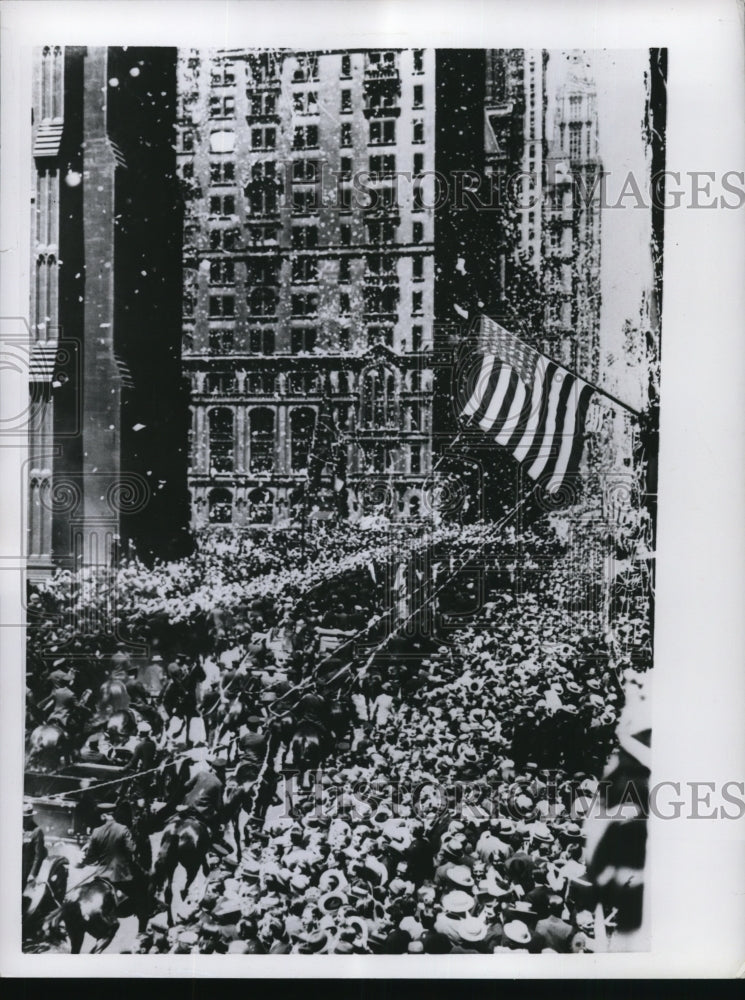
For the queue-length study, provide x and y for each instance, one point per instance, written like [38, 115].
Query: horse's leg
[168, 896]
[75, 928]
[106, 940]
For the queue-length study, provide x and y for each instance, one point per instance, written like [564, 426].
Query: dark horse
[93, 907]
[310, 744]
[185, 841]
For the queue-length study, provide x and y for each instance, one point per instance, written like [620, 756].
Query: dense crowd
[445, 812]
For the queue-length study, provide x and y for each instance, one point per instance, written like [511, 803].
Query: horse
[309, 745]
[49, 745]
[93, 907]
[113, 697]
[251, 789]
[185, 841]
[44, 897]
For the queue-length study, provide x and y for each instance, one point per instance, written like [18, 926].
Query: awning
[48, 139]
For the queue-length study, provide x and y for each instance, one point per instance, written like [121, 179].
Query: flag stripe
[497, 399]
[481, 382]
[533, 406]
[560, 391]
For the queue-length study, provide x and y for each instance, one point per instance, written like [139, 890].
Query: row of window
[263, 137]
[305, 270]
[264, 301]
[305, 237]
[378, 456]
[265, 180]
[304, 339]
[265, 66]
[260, 506]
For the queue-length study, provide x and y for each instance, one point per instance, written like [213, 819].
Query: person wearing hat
[143, 756]
[112, 851]
[203, 797]
[34, 847]
[553, 931]
[456, 905]
[152, 676]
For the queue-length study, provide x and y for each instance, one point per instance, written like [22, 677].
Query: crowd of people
[443, 811]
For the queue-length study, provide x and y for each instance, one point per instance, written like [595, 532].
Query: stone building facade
[308, 279]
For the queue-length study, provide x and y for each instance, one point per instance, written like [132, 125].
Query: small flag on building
[529, 404]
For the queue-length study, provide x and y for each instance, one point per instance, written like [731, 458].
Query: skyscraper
[308, 277]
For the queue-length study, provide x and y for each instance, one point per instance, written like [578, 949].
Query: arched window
[262, 439]
[221, 506]
[414, 505]
[378, 408]
[302, 425]
[261, 506]
[221, 439]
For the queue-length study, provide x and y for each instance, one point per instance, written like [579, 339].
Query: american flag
[529, 404]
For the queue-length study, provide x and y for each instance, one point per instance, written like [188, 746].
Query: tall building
[105, 309]
[308, 277]
[572, 207]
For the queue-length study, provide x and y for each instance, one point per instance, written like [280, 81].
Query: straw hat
[457, 901]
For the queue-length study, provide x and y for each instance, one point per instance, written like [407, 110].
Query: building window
[223, 75]
[344, 338]
[263, 189]
[346, 66]
[305, 200]
[304, 237]
[415, 458]
[261, 341]
[222, 141]
[305, 137]
[222, 272]
[345, 235]
[220, 383]
[346, 100]
[305, 269]
[416, 338]
[417, 268]
[261, 440]
[222, 306]
[222, 105]
[264, 66]
[305, 304]
[223, 239]
[418, 60]
[575, 140]
[380, 264]
[346, 133]
[417, 303]
[304, 170]
[383, 132]
[260, 506]
[222, 205]
[221, 439]
[344, 304]
[222, 172]
[260, 383]
[306, 69]
[345, 168]
[378, 402]
[261, 103]
[305, 102]
[414, 417]
[417, 232]
[381, 231]
[382, 164]
[262, 301]
[381, 298]
[263, 137]
[220, 506]
[345, 269]
[418, 95]
[417, 130]
[303, 339]
[187, 141]
[302, 426]
[221, 341]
